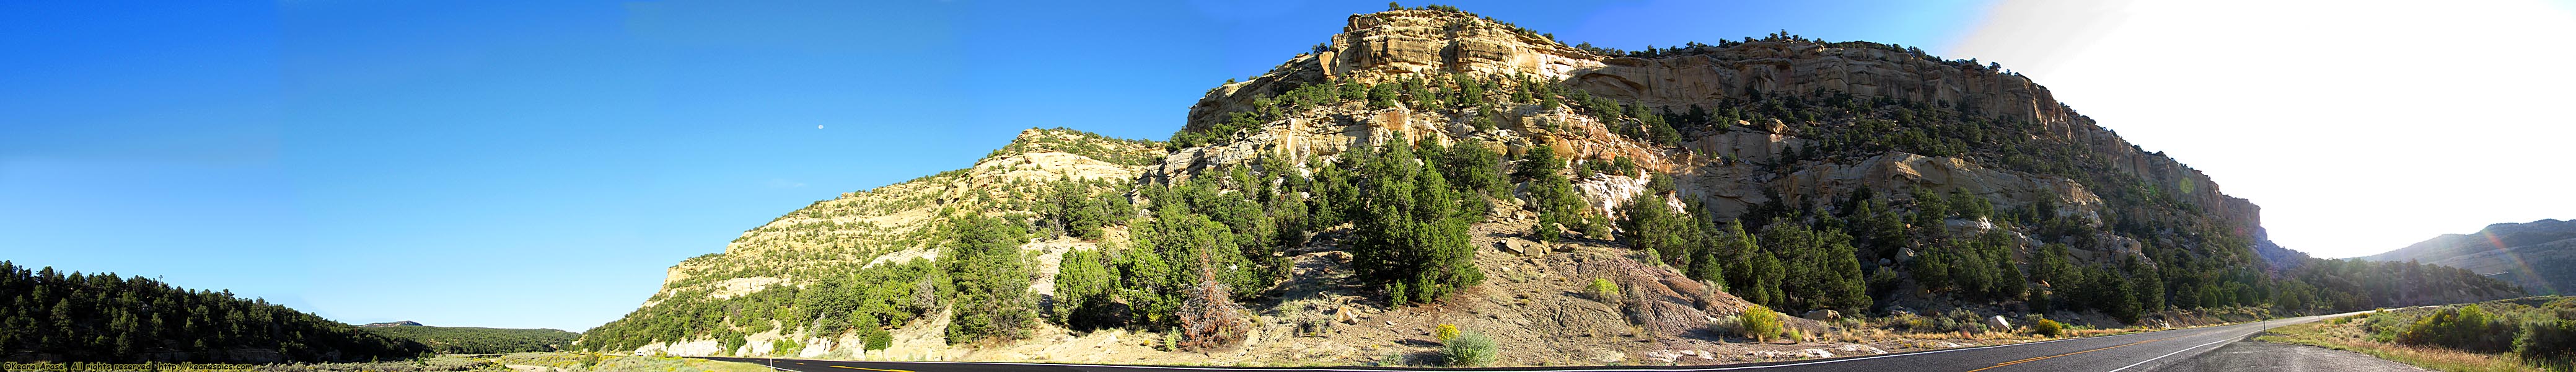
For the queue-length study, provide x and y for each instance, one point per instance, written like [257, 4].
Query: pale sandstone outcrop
[1900, 171]
[743, 286]
[855, 228]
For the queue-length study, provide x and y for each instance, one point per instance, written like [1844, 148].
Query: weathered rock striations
[875, 226]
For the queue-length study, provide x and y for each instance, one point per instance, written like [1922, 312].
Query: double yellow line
[872, 369]
[2000, 365]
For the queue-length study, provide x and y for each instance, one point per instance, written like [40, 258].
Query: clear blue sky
[538, 164]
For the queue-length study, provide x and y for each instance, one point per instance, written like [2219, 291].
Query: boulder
[1607, 356]
[1664, 356]
[1859, 348]
[1517, 246]
[1998, 323]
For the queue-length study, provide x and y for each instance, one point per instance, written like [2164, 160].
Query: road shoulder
[2249, 355]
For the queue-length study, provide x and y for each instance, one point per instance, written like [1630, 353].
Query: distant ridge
[2540, 255]
[475, 340]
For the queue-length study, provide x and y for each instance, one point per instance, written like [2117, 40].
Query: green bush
[2466, 328]
[1082, 287]
[1550, 193]
[2050, 328]
[1603, 290]
[2548, 341]
[785, 347]
[1760, 323]
[1469, 349]
[879, 339]
[1820, 267]
[1473, 166]
[732, 343]
[1647, 223]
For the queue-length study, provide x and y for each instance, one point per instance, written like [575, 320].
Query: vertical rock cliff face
[1392, 45]
[1378, 46]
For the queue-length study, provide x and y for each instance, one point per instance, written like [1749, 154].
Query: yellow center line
[1999, 365]
[872, 369]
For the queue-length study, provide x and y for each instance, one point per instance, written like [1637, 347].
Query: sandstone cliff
[1722, 166]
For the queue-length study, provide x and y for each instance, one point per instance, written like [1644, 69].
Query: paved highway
[2173, 350]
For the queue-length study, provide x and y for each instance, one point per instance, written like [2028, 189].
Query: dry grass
[2350, 338]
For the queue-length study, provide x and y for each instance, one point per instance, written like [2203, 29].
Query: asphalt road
[2173, 350]
[2265, 356]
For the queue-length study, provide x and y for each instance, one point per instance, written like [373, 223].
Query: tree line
[100, 317]
[476, 340]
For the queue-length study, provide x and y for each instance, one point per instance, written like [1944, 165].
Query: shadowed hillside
[2539, 255]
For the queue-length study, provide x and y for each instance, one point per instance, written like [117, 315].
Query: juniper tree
[983, 261]
[1411, 238]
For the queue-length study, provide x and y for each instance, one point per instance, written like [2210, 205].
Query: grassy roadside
[2345, 333]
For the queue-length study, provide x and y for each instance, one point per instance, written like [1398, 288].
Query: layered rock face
[1392, 45]
[877, 226]
[883, 227]
[1379, 46]
[1422, 41]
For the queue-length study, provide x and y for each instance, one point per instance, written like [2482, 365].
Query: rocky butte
[1343, 206]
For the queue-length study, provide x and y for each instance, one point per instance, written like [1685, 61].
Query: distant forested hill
[45, 315]
[472, 340]
[2540, 255]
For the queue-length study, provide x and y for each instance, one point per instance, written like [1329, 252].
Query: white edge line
[2238, 336]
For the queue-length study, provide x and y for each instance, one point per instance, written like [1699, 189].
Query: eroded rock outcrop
[1401, 44]
[870, 227]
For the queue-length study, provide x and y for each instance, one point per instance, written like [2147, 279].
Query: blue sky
[538, 164]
